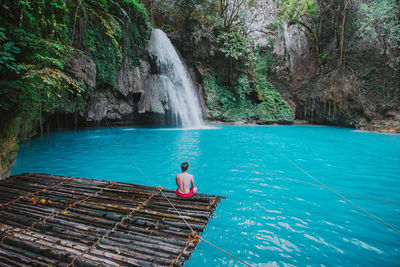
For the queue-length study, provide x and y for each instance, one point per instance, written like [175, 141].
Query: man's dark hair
[184, 166]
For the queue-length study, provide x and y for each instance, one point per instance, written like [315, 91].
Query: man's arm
[192, 181]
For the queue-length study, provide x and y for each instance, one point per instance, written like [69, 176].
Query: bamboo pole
[154, 234]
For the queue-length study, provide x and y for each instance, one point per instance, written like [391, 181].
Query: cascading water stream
[176, 81]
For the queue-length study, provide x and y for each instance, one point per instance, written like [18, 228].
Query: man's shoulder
[185, 175]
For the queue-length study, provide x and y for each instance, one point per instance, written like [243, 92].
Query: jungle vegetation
[39, 39]
[343, 35]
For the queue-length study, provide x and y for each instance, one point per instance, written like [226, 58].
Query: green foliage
[243, 87]
[10, 128]
[34, 54]
[102, 41]
[295, 11]
[37, 40]
[304, 13]
[323, 58]
[275, 26]
[266, 63]
[374, 87]
[188, 7]
[167, 28]
[235, 45]
[273, 105]
[8, 51]
[189, 4]
[379, 23]
[114, 30]
[217, 96]
[239, 103]
[8, 133]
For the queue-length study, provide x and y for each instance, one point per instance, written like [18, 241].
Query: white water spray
[176, 81]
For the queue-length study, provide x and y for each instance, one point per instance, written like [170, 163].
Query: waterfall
[176, 81]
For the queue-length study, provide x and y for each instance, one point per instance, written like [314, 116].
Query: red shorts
[190, 194]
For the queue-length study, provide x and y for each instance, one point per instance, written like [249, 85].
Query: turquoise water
[271, 217]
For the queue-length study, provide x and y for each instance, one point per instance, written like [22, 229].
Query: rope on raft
[347, 192]
[340, 190]
[54, 214]
[36, 192]
[194, 233]
[191, 237]
[71, 233]
[110, 230]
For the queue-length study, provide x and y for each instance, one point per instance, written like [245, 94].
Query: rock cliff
[324, 67]
[137, 97]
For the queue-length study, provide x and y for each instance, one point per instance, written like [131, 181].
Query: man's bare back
[185, 182]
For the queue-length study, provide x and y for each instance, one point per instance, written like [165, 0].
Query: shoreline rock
[383, 127]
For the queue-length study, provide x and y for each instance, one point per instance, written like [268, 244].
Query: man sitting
[185, 180]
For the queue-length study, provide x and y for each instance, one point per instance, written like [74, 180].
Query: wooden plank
[79, 213]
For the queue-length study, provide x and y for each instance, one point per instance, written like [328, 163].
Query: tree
[301, 12]
[379, 24]
[38, 39]
[235, 46]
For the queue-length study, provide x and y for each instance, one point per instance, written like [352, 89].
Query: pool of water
[273, 216]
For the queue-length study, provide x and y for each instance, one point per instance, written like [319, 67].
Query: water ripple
[272, 217]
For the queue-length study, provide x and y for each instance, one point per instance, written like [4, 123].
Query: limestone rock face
[105, 105]
[136, 92]
[9, 150]
[84, 68]
[154, 99]
[317, 92]
[139, 95]
[129, 78]
[260, 15]
[297, 49]
[118, 103]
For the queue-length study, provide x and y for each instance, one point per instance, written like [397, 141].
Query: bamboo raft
[48, 220]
